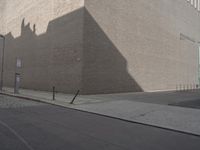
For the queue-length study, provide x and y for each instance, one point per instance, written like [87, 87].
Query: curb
[25, 97]
[103, 115]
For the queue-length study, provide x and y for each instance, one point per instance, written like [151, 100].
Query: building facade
[101, 46]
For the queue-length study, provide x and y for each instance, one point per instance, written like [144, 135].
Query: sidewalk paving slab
[170, 117]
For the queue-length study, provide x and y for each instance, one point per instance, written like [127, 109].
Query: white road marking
[17, 135]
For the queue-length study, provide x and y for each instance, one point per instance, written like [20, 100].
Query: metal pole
[2, 63]
[72, 102]
[54, 96]
[17, 83]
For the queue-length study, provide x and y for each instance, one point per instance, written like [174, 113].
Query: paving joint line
[99, 114]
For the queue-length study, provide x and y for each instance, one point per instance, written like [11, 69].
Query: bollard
[54, 95]
[72, 102]
[197, 86]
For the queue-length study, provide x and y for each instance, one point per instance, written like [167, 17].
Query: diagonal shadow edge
[73, 54]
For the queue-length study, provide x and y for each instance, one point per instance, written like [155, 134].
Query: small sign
[19, 63]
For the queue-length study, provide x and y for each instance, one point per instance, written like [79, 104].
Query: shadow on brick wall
[104, 67]
[73, 54]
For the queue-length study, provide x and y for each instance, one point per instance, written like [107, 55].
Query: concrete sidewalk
[134, 108]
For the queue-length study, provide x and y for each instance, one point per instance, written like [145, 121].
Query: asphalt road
[27, 125]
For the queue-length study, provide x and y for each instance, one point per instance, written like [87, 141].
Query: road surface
[28, 125]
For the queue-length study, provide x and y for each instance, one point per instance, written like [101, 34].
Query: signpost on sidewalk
[17, 83]
[2, 63]
[17, 76]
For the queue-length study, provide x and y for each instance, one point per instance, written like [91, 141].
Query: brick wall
[101, 46]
